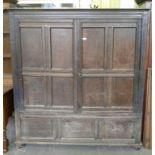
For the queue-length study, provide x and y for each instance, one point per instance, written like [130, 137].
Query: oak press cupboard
[78, 75]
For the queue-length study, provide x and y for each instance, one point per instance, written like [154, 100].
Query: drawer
[37, 127]
[116, 128]
[78, 128]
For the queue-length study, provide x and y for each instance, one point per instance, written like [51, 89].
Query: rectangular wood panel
[78, 128]
[62, 91]
[93, 92]
[116, 129]
[32, 48]
[37, 127]
[61, 48]
[122, 92]
[124, 48]
[93, 48]
[34, 90]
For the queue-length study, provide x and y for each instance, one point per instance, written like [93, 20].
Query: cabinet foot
[20, 146]
[138, 148]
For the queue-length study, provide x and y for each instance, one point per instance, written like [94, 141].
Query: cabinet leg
[138, 148]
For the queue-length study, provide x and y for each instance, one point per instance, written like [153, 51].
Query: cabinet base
[21, 144]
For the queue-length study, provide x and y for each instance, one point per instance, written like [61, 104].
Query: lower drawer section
[74, 129]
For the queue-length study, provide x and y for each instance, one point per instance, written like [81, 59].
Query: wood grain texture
[122, 92]
[34, 90]
[62, 92]
[77, 128]
[93, 92]
[93, 48]
[61, 46]
[116, 129]
[32, 47]
[124, 48]
[37, 128]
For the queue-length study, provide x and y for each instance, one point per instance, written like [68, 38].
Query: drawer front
[77, 128]
[116, 128]
[37, 127]
[67, 129]
[57, 128]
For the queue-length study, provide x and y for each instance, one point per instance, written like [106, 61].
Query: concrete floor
[66, 150]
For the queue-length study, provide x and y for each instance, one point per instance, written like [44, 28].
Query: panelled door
[108, 64]
[47, 63]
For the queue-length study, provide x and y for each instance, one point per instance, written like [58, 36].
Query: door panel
[124, 48]
[93, 48]
[32, 48]
[34, 91]
[122, 92]
[47, 64]
[62, 91]
[93, 92]
[107, 92]
[61, 48]
[107, 65]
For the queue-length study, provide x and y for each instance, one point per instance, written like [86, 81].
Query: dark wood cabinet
[78, 75]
